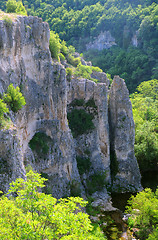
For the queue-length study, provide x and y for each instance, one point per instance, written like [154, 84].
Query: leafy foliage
[8, 21]
[96, 182]
[68, 73]
[54, 45]
[80, 122]
[144, 213]
[79, 22]
[39, 143]
[3, 109]
[83, 164]
[11, 6]
[86, 71]
[35, 215]
[14, 98]
[145, 112]
[15, 7]
[133, 65]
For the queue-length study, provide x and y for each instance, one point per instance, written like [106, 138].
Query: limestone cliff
[124, 167]
[25, 61]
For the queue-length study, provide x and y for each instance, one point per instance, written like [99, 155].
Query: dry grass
[12, 16]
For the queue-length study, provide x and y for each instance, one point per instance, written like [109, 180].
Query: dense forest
[79, 22]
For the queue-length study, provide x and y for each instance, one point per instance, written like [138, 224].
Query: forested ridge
[79, 22]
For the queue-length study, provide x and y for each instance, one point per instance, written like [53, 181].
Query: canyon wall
[25, 61]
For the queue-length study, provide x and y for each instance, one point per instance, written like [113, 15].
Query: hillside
[132, 25]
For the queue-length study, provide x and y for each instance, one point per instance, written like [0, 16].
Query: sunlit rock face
[25, 61]
[124, 167]
[40, 135]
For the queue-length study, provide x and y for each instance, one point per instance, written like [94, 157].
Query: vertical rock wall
[26, 62]
[124, 167]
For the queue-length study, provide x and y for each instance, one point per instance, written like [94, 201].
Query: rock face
[25, 61]
[103, 41]
[40, 135]
[124, 166]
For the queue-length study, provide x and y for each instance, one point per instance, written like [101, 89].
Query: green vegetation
[144, 214]
[75, 189]
[145, 113]
[14, 98]
[68, 74]
[86, 71]
[7, 20]
[80, 122]
[81, 102]
[3, 109]
[96, 182]
[35, 215]
[83, 164]
[13, 6]
[133, 65]
[79, 22]
[39, 143]
[54, 45]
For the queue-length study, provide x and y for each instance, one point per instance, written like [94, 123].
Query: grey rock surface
[25, 61]
[103, 41]
[124, 167]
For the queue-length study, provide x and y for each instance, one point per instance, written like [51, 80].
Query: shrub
[39, 143]
[96, 69]
[80, 122]
[83, 71]
[14, 98]
[21, 9]
[75, 189]
[77, 102]
[69, 73]
[54, 45]
[35, 215]
[61, 56]
[64, 49]
[83, 164]
[15, 7]
[11, 6]
[3, 109]
[71, 49]
[144, 213]
[7, 21]
[97, 182]
[73, 61]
